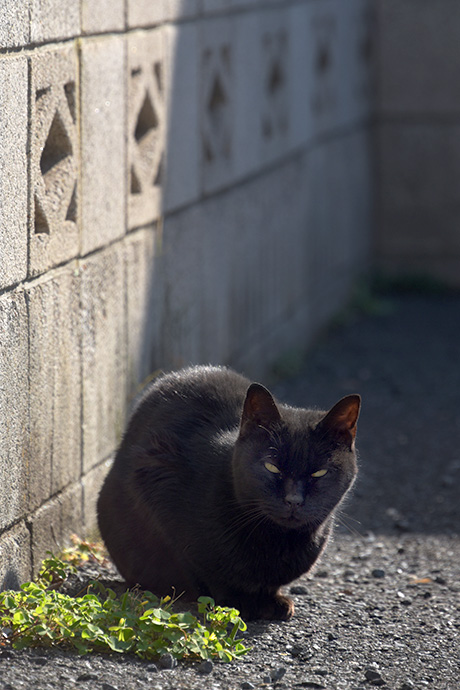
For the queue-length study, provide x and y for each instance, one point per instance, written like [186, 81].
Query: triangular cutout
[72, 208]
[41, 226]
[158, 180]
[57, 147]
[276, 78]
[135, 185]
[146, 120]
[69, 90]
[218, 97]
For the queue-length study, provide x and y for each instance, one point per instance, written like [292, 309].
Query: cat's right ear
[259, 409]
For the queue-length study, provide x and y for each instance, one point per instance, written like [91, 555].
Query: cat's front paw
[276, 608]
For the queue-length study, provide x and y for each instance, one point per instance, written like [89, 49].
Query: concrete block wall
[418, 134]
[181, 181]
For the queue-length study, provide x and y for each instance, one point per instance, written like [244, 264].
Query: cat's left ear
[259, 408]
[342, 419]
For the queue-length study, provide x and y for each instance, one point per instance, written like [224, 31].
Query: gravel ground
[383, 606]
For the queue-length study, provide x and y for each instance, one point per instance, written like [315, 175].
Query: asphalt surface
[383, 606]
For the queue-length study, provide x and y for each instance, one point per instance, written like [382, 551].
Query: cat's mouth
[292, 520]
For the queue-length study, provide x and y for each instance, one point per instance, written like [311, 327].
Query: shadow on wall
[248, 224]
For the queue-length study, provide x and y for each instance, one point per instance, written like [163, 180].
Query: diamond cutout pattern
[54, 167]
[217, 125]
[274, 121]
[57, 148]
[146, 129]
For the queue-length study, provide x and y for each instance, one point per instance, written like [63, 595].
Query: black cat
[217, 489]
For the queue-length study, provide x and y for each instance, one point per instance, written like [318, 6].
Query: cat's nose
[294, 499]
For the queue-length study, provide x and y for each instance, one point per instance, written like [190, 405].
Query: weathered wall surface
[179, 182]
[418, 139]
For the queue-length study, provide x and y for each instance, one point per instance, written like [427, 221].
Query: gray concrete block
[217, 105]
[183, 147]
[54, 158]
[147, 122]
[175, 9]
[14, 23]
[53, 523]
[13, 170]
[143, 307]
[419, 198]
[300, 81]
[52, 19]
[146, 13]
[357, 53]
[98, 16]
[419, 60]
[14, 364]
[15, 563]
[103, 132]
[274, 94]
[55, 387]
[247, 115]
[104, 353]
[92, 484]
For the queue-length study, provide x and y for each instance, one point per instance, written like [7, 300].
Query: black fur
[189, 503]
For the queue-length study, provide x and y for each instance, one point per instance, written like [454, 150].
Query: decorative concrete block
[146, 13]
[419, 60]
[92, 484]
[54, 158]
[55, 387]
[324, 64]
[247, 112]
[419, 199]
[146, 126]
[217, 102]
[14, 366]
[15, 564]
[356, 53]
[103, 352]
[142, 307]
[274, 91]
[300, 75]
[14, 23]
[53, 523]
[183, 148]
[13, 170]
[103, 133]
[52, 19]
[98, 16]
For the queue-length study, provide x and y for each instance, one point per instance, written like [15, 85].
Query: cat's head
[293, 466]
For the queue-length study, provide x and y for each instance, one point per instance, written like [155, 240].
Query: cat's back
[190, 400]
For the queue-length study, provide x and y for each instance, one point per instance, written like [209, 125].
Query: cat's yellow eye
[272, 468]
[320, 473]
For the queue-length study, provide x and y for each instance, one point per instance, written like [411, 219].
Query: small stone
[378, 573]
[406, 686]
[331, 637]
[86, 676]
[266, 679]
[39, 660]
[247, 685]
[371, 674]
[167, 662]
[298, 589]
[107, 686]
[206, 667]
[322, 573]
[440, 580]
[277, 674]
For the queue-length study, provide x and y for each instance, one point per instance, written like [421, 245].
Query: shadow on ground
[405, 363]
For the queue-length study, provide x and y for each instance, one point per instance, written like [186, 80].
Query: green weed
[137, 622]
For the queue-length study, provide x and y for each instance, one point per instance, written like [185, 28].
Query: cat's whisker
[344, 520]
